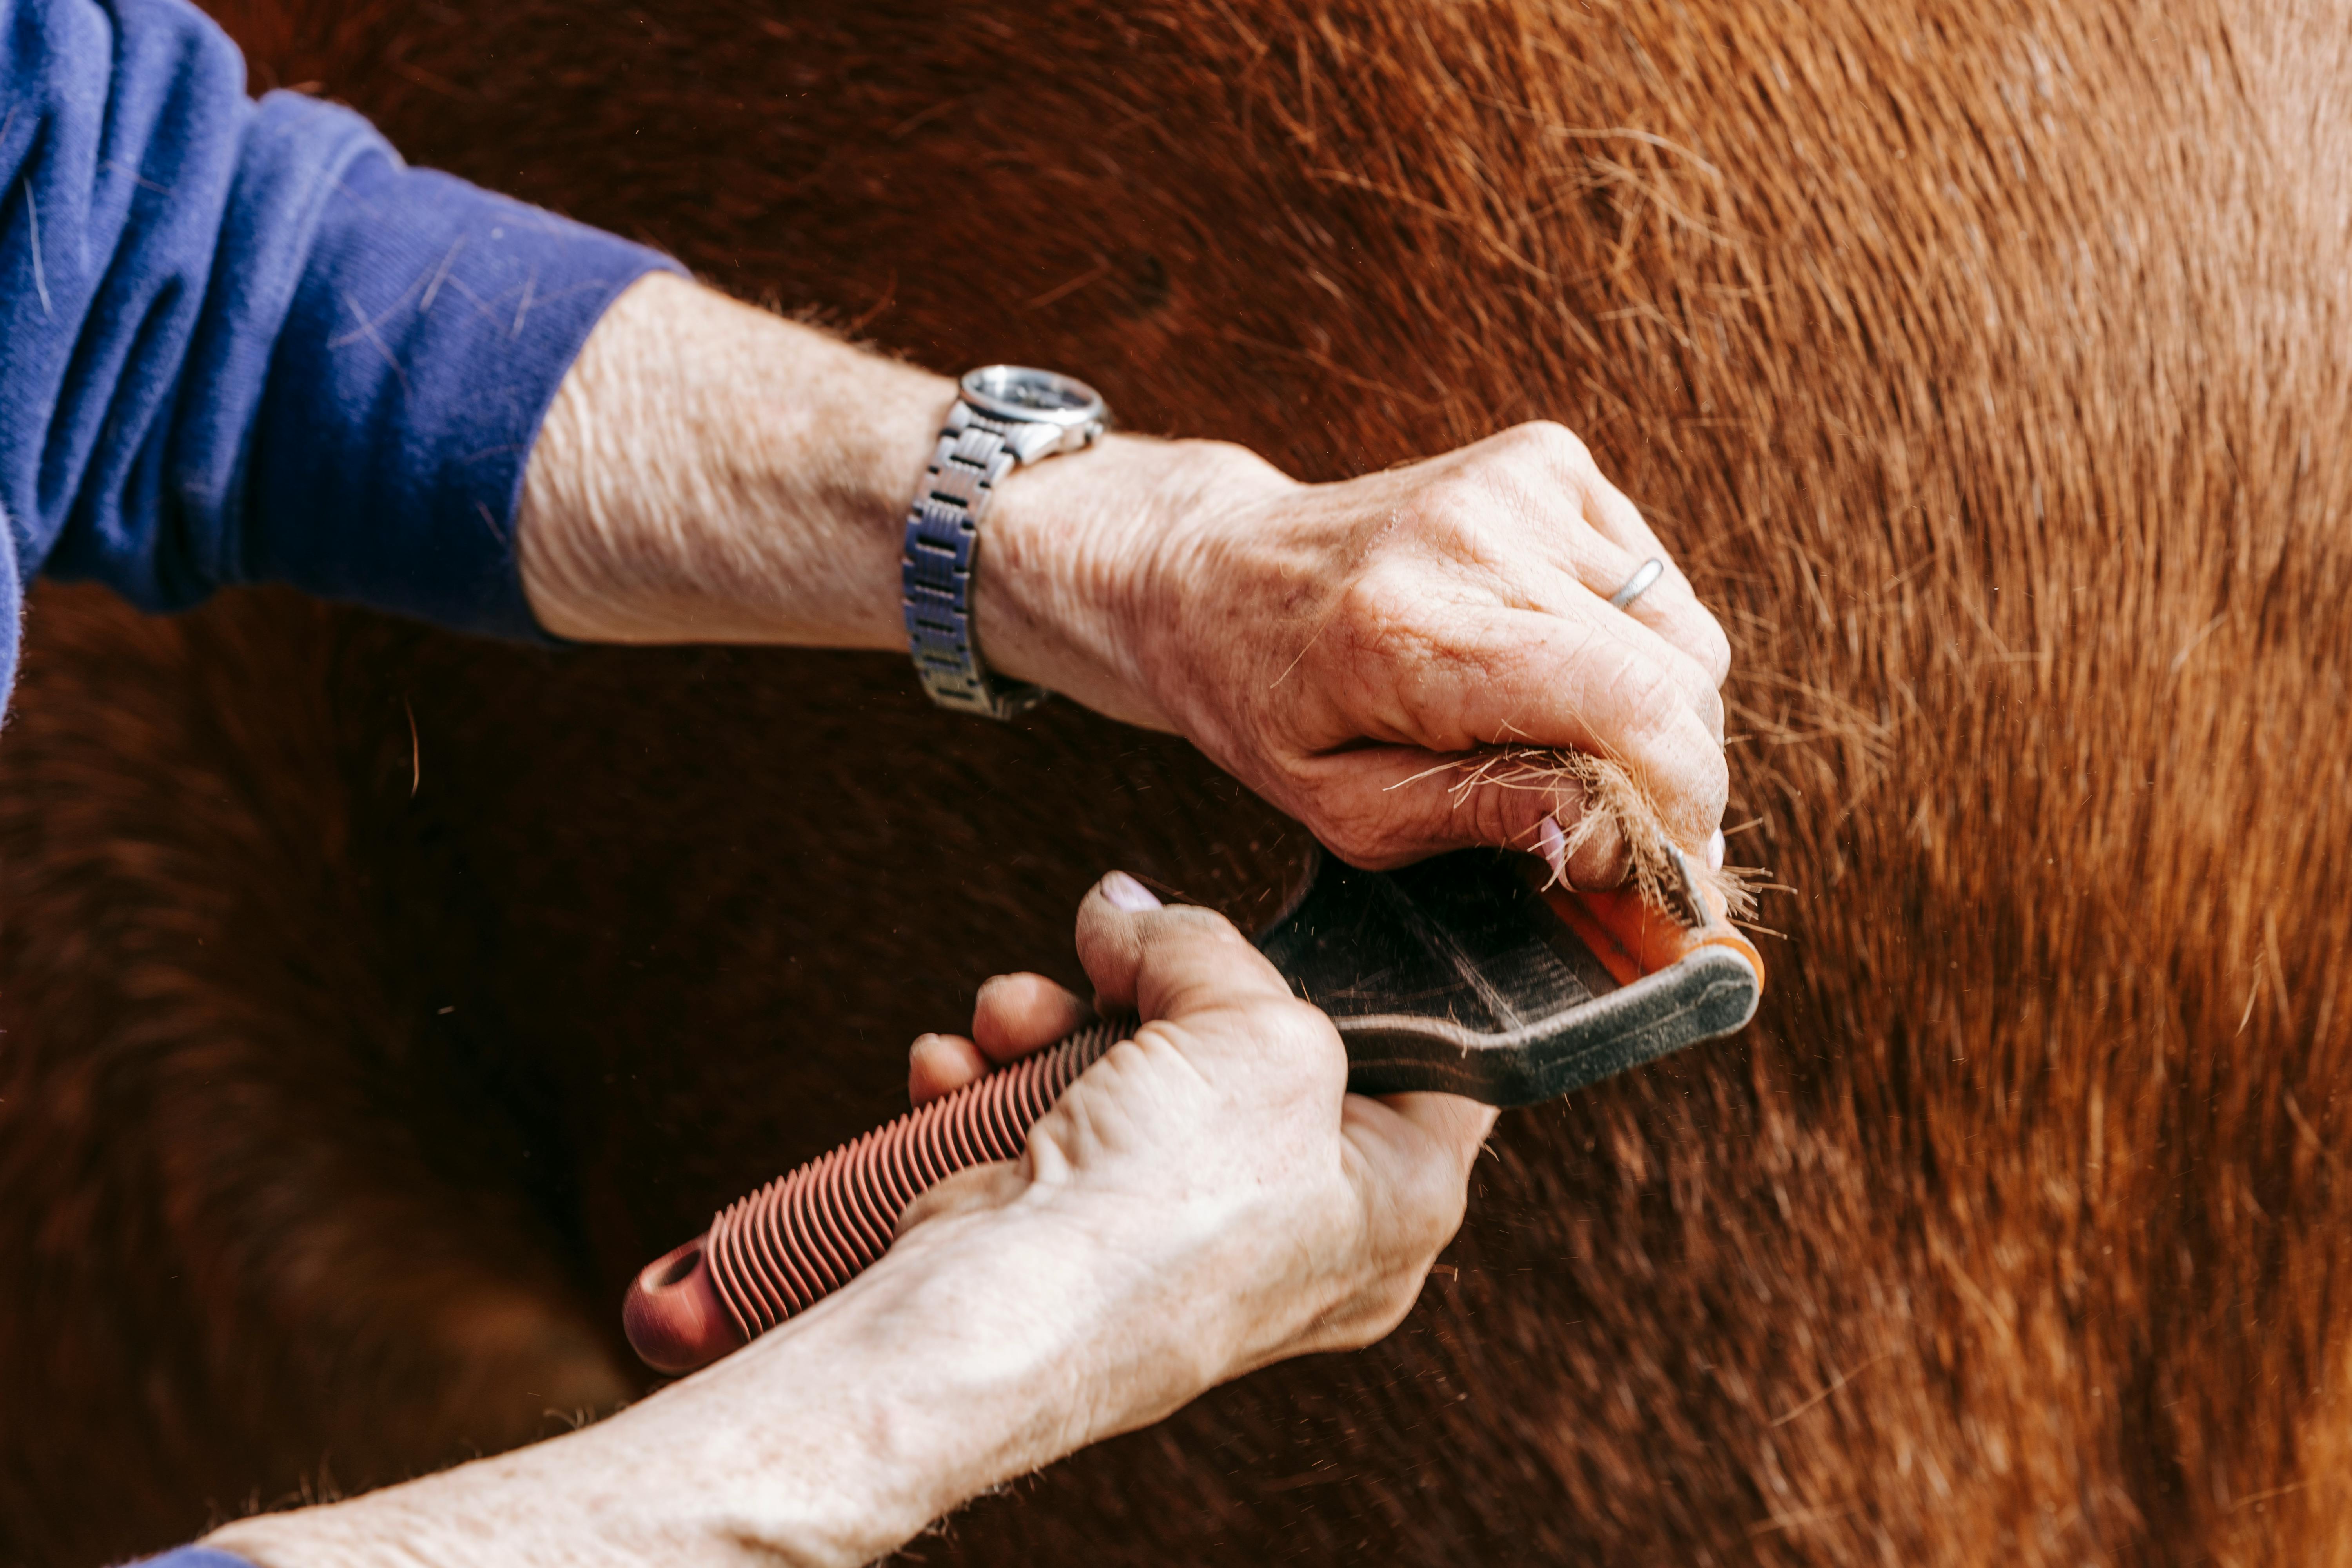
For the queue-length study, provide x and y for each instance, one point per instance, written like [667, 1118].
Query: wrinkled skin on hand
[1337, 647]
[1353, 651]
[1982, 365]
[1207, 1199]
[1257, 1210]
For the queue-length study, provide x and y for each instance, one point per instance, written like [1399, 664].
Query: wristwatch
[1007, 415]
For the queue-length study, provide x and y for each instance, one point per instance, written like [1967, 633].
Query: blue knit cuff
[192, 1557]
[431, 328]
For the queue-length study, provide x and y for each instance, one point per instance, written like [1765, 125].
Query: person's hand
[1205, 1199]
[1340, 647]
[1352, 651]
[1215, 1166]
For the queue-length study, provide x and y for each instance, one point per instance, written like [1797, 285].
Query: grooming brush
[1463, 974]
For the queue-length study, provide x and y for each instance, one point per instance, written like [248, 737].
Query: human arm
[241, 342]
[1205, 1200]
[709, 472]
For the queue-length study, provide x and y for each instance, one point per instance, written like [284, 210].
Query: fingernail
[1715, 851]
[1122, 891]
[1552, 845]
[917, 1049]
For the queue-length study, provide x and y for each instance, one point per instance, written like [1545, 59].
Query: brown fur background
[1985, 364]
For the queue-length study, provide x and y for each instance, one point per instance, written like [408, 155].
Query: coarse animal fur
[375, 1000]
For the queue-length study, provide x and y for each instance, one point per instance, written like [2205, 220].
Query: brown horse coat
[375, 1000]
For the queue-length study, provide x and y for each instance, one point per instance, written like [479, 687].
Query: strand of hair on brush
[1609, 793]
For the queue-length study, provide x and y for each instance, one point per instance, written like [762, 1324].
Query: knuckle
[1389, 611]
[1372, 600]
[1692, 631]
[1552, 443]
[1198, 929]
[1710, 710]
[1508, 814]
[1680, 762]
[1690, 675]
[1456, 507]
[1657, 703]
[1679, 742]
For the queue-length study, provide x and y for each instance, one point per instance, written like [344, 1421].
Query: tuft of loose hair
[1608, 793]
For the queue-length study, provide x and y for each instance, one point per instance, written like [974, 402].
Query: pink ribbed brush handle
[804, 1235]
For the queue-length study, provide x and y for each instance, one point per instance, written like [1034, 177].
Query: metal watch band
[935, 569]
[1006, 414]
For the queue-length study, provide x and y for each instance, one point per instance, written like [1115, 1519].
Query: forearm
[710, 472]
[966, 1356]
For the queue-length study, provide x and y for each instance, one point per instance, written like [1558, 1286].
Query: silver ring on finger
[1644, 577]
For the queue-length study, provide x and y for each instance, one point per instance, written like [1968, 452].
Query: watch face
[1017, 392]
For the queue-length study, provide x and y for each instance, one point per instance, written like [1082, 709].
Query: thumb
[1166, 963]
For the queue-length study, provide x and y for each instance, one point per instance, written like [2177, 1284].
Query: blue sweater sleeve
[242, 342]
